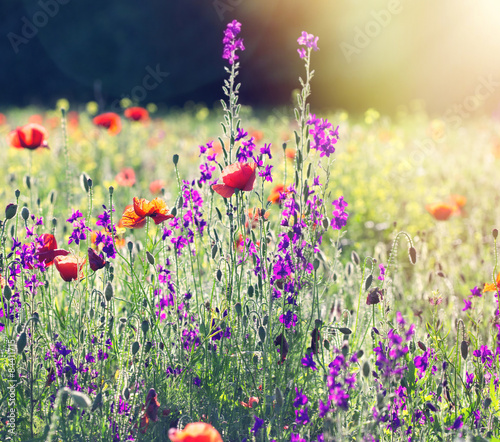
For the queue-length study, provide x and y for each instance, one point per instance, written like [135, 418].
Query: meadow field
[240, 274]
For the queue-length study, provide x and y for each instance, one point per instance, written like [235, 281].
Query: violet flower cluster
[231, 43]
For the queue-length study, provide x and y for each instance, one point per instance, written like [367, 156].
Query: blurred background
[379, 53]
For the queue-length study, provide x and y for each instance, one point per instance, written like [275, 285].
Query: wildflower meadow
[229, 275]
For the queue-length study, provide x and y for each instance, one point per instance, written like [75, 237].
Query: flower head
[236, 176]
[307, 40]
[30, 136]
[195, 432]
[126, 177]
[136, 215]
[70, 267]
[47, 249]
[231, 43]
[137, 114]
[110, 121]
[441, 211]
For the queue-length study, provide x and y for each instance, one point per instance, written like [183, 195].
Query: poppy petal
[130, 218]
[239, 175]
[223, 190]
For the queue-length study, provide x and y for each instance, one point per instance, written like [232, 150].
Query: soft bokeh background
[438, 52]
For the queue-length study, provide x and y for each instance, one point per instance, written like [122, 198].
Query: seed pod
[464, 349]
[81, 400]
[21, 342]
[145, 326]
[108, 291]
[413, 255]
[150, 258]
[10, 211]
[135, 347]
[111, 190]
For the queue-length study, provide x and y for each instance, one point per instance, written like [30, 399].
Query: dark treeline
[162, 51]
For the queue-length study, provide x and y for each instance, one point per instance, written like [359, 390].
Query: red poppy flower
[152, 405]
[70, 267]
[252, 400]
[254, 215]
[137, 114]
[96, 261]
[441, 211]
[278, 194]
[195, 432]
[290, 153]
[110, 121]
[126, 177]
[256, 134]
[135, 216]
[459, 201]
[236, 176]
[30, 136]
[489, 287]
[156, 186]
[73, 119]
[48, 251]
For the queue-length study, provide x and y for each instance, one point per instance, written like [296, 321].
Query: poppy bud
[97, 402]
[17, 193]
[151, 258]
[81, 400]
[464, 349]
[495, 233]
[135, 347]
[10, 211]
[25, 213]
[145, 326]
[413, 255]
[21, 342]
[366, 369]
[108, 291]
[175, 159]
[7, 292]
